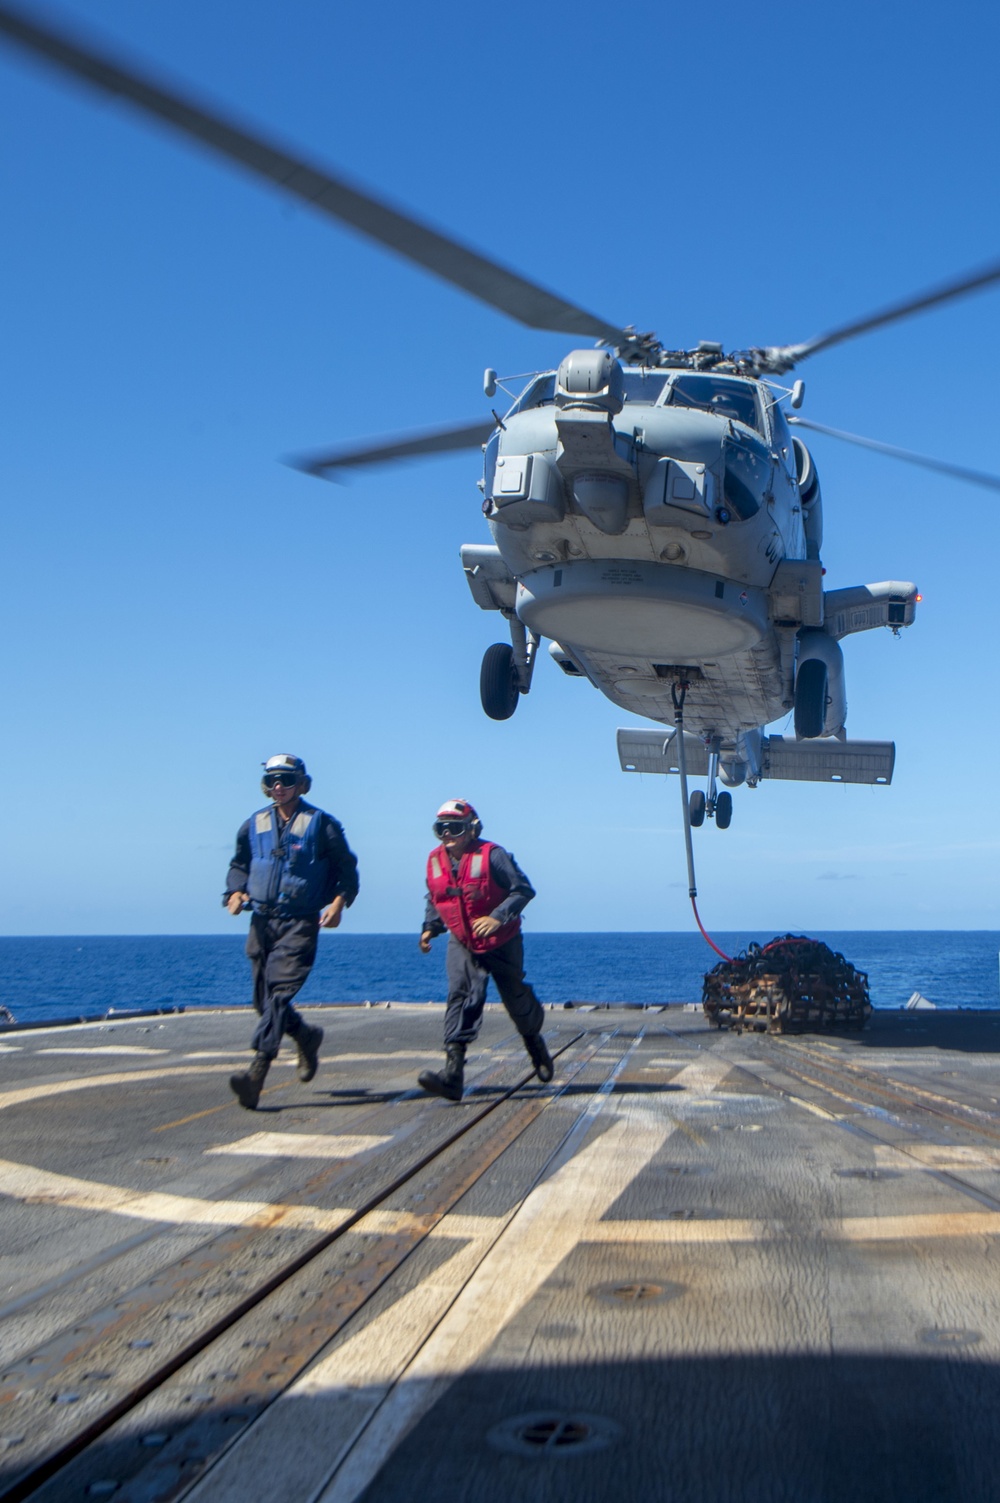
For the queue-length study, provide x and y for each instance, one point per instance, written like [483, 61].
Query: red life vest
[468, 894]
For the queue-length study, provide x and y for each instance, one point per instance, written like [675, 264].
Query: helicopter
[654, 516]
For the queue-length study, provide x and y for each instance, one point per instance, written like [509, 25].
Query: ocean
[63, 977]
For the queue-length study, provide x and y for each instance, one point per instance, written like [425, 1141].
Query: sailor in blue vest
[294, 868]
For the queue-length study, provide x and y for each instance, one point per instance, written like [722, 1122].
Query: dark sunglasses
[451, 827]
[285, 779]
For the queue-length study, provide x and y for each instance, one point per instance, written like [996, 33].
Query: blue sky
[178, 605]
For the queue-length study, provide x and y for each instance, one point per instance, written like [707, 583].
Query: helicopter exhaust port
[820, 691]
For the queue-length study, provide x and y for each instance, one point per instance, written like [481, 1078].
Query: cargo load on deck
[793, 983]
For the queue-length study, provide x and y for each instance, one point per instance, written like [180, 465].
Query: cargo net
[790, 984]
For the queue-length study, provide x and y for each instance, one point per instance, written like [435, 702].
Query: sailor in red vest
[476, 891]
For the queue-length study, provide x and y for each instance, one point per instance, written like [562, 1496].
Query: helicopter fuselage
[660, 526]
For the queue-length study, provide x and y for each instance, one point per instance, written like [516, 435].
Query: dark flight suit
[469, 973]
[281, 945]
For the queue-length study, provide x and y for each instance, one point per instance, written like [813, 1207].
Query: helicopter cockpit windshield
[731, 399]
[643, 385]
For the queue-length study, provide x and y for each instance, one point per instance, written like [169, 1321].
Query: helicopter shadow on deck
[740, 1428]
[735, 1427]
[360, 1096]
[966, 1032]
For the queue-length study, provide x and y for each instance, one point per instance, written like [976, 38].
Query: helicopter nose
[651, 610]
[677, 487]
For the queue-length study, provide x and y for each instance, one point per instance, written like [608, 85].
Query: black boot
[449, 1082]
[540, 1056]
[247, 1087]
[307, 1042]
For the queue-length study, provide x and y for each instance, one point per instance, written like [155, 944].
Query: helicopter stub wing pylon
[822, 760]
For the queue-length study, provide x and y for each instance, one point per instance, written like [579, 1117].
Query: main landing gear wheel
[810, 699]
[498, 687]
[724, 811]
[696, 808]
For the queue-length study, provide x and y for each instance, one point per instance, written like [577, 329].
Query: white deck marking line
[367, 1363]
[936, 1156]
[303, 1145]
[930, 1226]
[21, 1094]
[549, 1223]
[86, 1050]
[40, 1186]
[231, 1054]
[333, 1058]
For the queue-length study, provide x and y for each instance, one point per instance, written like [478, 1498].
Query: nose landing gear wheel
[498, 687]
[696, 808]
[724, 811]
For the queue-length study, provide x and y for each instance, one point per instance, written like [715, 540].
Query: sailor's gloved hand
[330, 917]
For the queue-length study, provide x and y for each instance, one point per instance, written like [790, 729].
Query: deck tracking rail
[862, 1101]
[791, 1068]
[75, 1388]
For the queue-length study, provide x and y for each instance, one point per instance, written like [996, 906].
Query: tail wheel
[724, 810]
[498, 687]
[810, 699]
[696, 808]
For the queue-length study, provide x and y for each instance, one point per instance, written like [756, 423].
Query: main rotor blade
[437, 253]
[783, 357]
[957, 472]
[438, 441]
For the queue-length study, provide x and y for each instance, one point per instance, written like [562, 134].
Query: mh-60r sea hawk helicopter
[653, 515]
[655, 518]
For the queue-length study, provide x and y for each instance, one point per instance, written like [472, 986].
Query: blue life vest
[286, 874]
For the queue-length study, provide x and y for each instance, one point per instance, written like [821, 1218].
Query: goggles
[281, 779]
[453, 828]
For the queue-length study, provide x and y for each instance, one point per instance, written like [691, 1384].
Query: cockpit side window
[727, 398]
[643, 385]
[541, 393]
[782, 437]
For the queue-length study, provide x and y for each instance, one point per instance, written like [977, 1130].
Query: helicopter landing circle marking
[29, 1184]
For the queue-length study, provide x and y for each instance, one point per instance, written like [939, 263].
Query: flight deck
[697, 1266]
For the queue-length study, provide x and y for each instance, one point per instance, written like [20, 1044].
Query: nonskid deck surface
[697, 1265]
